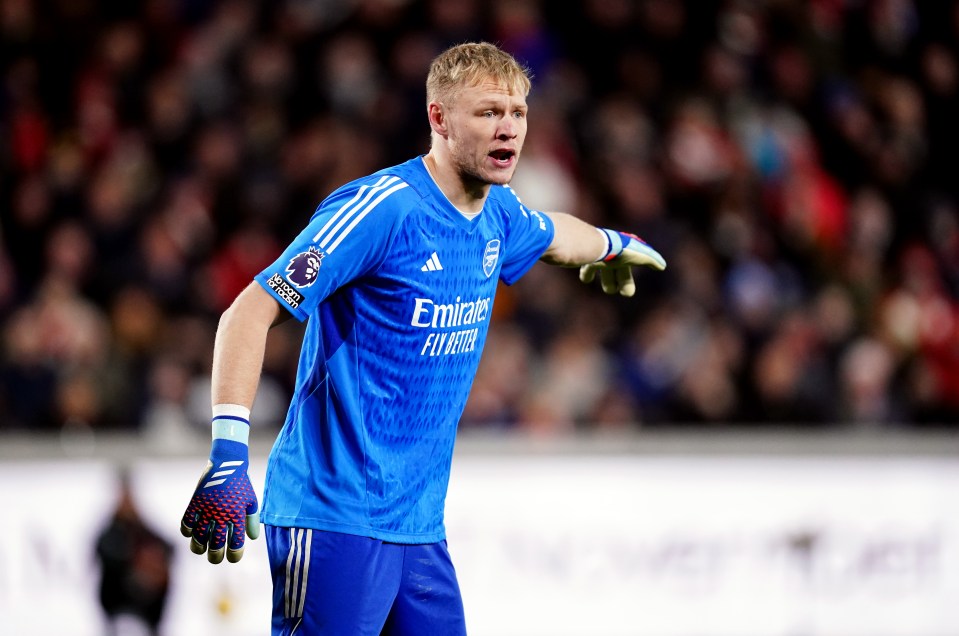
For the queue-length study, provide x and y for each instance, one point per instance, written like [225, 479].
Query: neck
[468, 195]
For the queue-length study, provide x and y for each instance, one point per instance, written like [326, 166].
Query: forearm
[575, 242]
[239, 347]
[224, 506]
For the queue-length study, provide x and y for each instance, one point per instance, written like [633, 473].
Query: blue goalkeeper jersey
[398, 288]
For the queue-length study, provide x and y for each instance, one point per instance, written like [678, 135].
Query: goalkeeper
[395, 275]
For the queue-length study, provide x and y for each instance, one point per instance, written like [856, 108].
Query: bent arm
[240, 345]
[575, 242]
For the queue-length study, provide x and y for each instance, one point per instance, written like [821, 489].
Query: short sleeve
[346, 238]
[530, 233]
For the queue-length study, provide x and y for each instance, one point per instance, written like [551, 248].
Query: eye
[519, 114]
[488, 114]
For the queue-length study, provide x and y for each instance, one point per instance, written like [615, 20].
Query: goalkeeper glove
[224, 504]
[615, 266]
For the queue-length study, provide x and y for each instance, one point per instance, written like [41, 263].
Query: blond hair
[471, 63]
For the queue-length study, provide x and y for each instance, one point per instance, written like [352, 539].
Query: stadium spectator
[135, 568]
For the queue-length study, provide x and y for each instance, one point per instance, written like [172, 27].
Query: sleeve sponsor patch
[285, 291]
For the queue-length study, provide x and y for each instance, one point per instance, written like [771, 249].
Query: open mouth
[502, 156]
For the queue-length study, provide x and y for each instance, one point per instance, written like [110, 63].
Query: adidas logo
[432, 264]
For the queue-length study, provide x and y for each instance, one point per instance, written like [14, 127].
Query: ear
[436, 112]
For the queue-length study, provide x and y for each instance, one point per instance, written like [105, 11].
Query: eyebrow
[492, 103]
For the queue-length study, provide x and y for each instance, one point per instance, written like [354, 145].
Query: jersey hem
[346, 528]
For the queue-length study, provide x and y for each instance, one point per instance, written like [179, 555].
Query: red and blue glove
[224, 505]
[623, 251]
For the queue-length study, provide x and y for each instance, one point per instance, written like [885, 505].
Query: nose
[506, 129]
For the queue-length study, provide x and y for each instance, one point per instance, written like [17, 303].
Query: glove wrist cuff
[231, 422]
[614, 245]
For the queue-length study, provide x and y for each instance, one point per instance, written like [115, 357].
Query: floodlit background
[762, 441]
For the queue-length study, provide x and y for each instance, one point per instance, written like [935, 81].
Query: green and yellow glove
[615, 267]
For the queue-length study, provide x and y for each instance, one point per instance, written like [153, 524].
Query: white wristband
[608, 247]
[232, 422]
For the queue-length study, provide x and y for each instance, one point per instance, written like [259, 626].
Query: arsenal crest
[490, 256]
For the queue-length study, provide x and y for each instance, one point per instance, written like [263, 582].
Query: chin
[486, 178]
[500, 177]
[483, 175]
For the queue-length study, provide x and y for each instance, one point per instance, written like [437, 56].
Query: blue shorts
[328, 583]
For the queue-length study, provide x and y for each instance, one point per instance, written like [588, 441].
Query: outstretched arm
[575, 242]
[594, 250]
[224, 506]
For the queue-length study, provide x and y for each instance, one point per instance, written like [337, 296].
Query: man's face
[487, 127]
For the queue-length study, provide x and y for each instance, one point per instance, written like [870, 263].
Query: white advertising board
[733, 546]
[558, 545]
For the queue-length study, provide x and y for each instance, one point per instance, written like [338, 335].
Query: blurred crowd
[794, 161]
